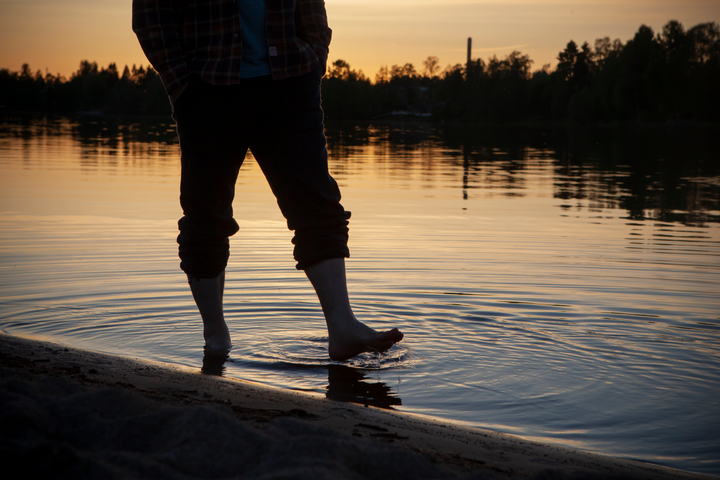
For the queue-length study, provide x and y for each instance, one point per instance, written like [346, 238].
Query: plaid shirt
[204, 38]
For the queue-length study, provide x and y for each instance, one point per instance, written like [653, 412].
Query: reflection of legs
[348, 337]
[208, 293]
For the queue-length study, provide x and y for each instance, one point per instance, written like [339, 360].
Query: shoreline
[539, 124]
[32, 368]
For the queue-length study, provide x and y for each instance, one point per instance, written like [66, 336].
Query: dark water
[557, 284]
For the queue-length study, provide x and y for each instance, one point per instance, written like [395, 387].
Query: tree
[566, 61]
[634, 93]
[705, 38]
[347, 93]
[383, 75]
[432, 67]
[605, 51]
[407, 70]
[705, 71]
[338, 69]
[574, 65]
[671, 70]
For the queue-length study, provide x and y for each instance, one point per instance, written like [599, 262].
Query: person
[246, 74]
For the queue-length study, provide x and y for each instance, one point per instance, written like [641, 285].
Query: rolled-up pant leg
[282, 123]
[290, 147]
[212, 151]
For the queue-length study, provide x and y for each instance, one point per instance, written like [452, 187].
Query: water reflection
[213, 363]
[557, 284]
[103, 142]
[653, 173]
[344, 383]
[351, 385]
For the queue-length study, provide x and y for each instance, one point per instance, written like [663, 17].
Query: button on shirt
[204, 38]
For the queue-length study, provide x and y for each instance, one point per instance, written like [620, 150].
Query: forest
[669, 76]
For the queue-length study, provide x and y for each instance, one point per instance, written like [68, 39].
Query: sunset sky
[57, 34]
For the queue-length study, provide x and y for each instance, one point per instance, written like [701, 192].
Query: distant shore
[74, 413]
[396, 120]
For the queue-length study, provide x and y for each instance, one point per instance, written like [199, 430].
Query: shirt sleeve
[154, 24]
[312, 26]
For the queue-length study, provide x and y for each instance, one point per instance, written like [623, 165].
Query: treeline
[137, 91]
[674, 75]
[671, 76]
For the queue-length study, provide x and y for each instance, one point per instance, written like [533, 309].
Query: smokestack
[469, 56]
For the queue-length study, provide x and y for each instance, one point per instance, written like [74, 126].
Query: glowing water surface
[559, 285]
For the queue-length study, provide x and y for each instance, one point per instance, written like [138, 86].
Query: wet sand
[70, 413]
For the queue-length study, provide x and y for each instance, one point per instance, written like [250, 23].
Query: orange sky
[57, 34]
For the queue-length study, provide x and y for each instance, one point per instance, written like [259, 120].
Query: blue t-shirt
[255, 59]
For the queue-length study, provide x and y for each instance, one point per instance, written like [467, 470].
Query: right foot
[348, 336]
[348, 343]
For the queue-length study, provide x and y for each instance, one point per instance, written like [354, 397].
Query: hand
[322, 56]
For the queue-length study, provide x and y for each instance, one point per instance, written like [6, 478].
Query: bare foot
[347, 342]
[348, 336]
[217, 337]
[208, 294]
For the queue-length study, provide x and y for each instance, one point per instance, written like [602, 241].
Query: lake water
[561, 285]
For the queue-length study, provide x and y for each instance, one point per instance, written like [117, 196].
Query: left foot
[217, 337]
[208, 294]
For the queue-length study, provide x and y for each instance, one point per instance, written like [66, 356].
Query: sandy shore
[69, 413]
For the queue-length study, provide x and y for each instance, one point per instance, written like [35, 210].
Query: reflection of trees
[668, 174]
[101, 140]
[647, 171]
[651, 173]
[143, 142]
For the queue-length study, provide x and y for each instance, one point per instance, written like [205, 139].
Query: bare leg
[348, 336]
[208, 294]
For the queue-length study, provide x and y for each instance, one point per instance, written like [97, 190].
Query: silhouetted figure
[245, 74]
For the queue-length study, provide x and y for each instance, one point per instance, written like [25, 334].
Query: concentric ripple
[307, 351]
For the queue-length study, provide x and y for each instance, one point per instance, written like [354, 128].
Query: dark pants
[281, 122]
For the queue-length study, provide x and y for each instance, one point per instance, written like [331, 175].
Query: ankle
[208, 295]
